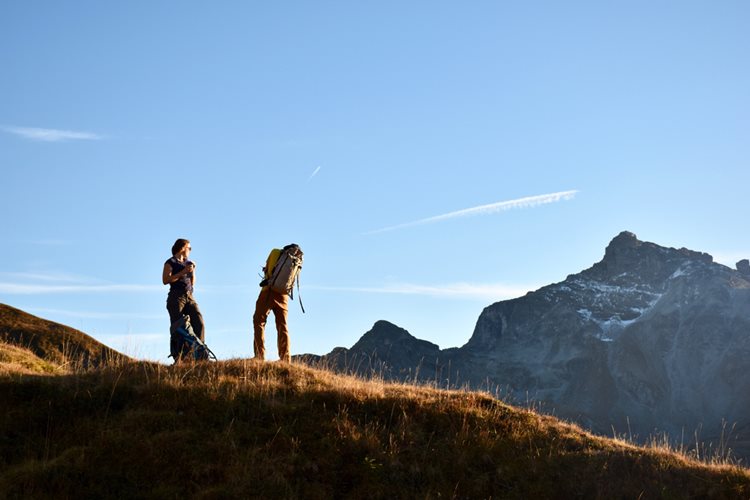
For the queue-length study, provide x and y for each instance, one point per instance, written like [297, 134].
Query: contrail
[31, 289]
[315, 172]
[500, 206]
[453, 290]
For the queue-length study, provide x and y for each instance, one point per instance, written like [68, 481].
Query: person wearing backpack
[179, 274]
[281, 269]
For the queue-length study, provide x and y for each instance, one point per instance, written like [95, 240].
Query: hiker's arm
[167, 277]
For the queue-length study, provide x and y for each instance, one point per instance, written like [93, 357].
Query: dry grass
[55, 343]
[239, 429]
[80, 420]
[17, 360]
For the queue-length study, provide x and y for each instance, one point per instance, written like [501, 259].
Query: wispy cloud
[46, 276]
[52, 135]
[492, 208]
[293, 143]
[473, 291]
[130, 337]
[93, 314]
[60, 282]
[315, 172]
[50, 242]
[41, 283]
[39, 289]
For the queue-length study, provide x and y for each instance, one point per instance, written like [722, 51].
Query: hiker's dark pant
[268, 301]
[177, 305]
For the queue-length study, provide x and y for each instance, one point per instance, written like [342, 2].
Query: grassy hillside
[80, 420]
[17, 360]
[239, 429]
[53, 342]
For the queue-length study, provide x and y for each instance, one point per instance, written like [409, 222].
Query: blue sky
[431, 158]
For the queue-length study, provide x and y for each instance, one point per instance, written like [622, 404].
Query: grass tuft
[17, 360]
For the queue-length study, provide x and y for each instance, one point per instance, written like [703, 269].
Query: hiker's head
[290, 245]
[180, 245]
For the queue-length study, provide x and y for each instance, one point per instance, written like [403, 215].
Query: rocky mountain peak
[624, 240]
[384, 333]
[387, 331]
[743, 267]
[387, 350]
[644, 261]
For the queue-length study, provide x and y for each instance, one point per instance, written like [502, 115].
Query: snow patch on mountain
[610, 327]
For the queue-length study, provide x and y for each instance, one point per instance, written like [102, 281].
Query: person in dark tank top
[179, 274]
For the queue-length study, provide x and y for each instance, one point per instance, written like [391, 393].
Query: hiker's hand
[190, 267]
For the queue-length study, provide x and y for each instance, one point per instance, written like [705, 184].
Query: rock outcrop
[743, 267]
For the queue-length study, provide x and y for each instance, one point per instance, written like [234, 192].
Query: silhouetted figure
[179, 274]
[281, 269]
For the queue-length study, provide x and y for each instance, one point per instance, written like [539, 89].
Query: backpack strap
[300, 296]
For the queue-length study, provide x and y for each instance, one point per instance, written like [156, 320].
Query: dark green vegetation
[239, 429]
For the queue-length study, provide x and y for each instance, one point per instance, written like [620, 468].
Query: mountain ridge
[648, 340]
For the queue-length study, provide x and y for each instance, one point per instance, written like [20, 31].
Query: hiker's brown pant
[268, 301]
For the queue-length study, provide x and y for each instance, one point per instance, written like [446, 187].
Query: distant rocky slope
[53, 342]
[648, 340]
